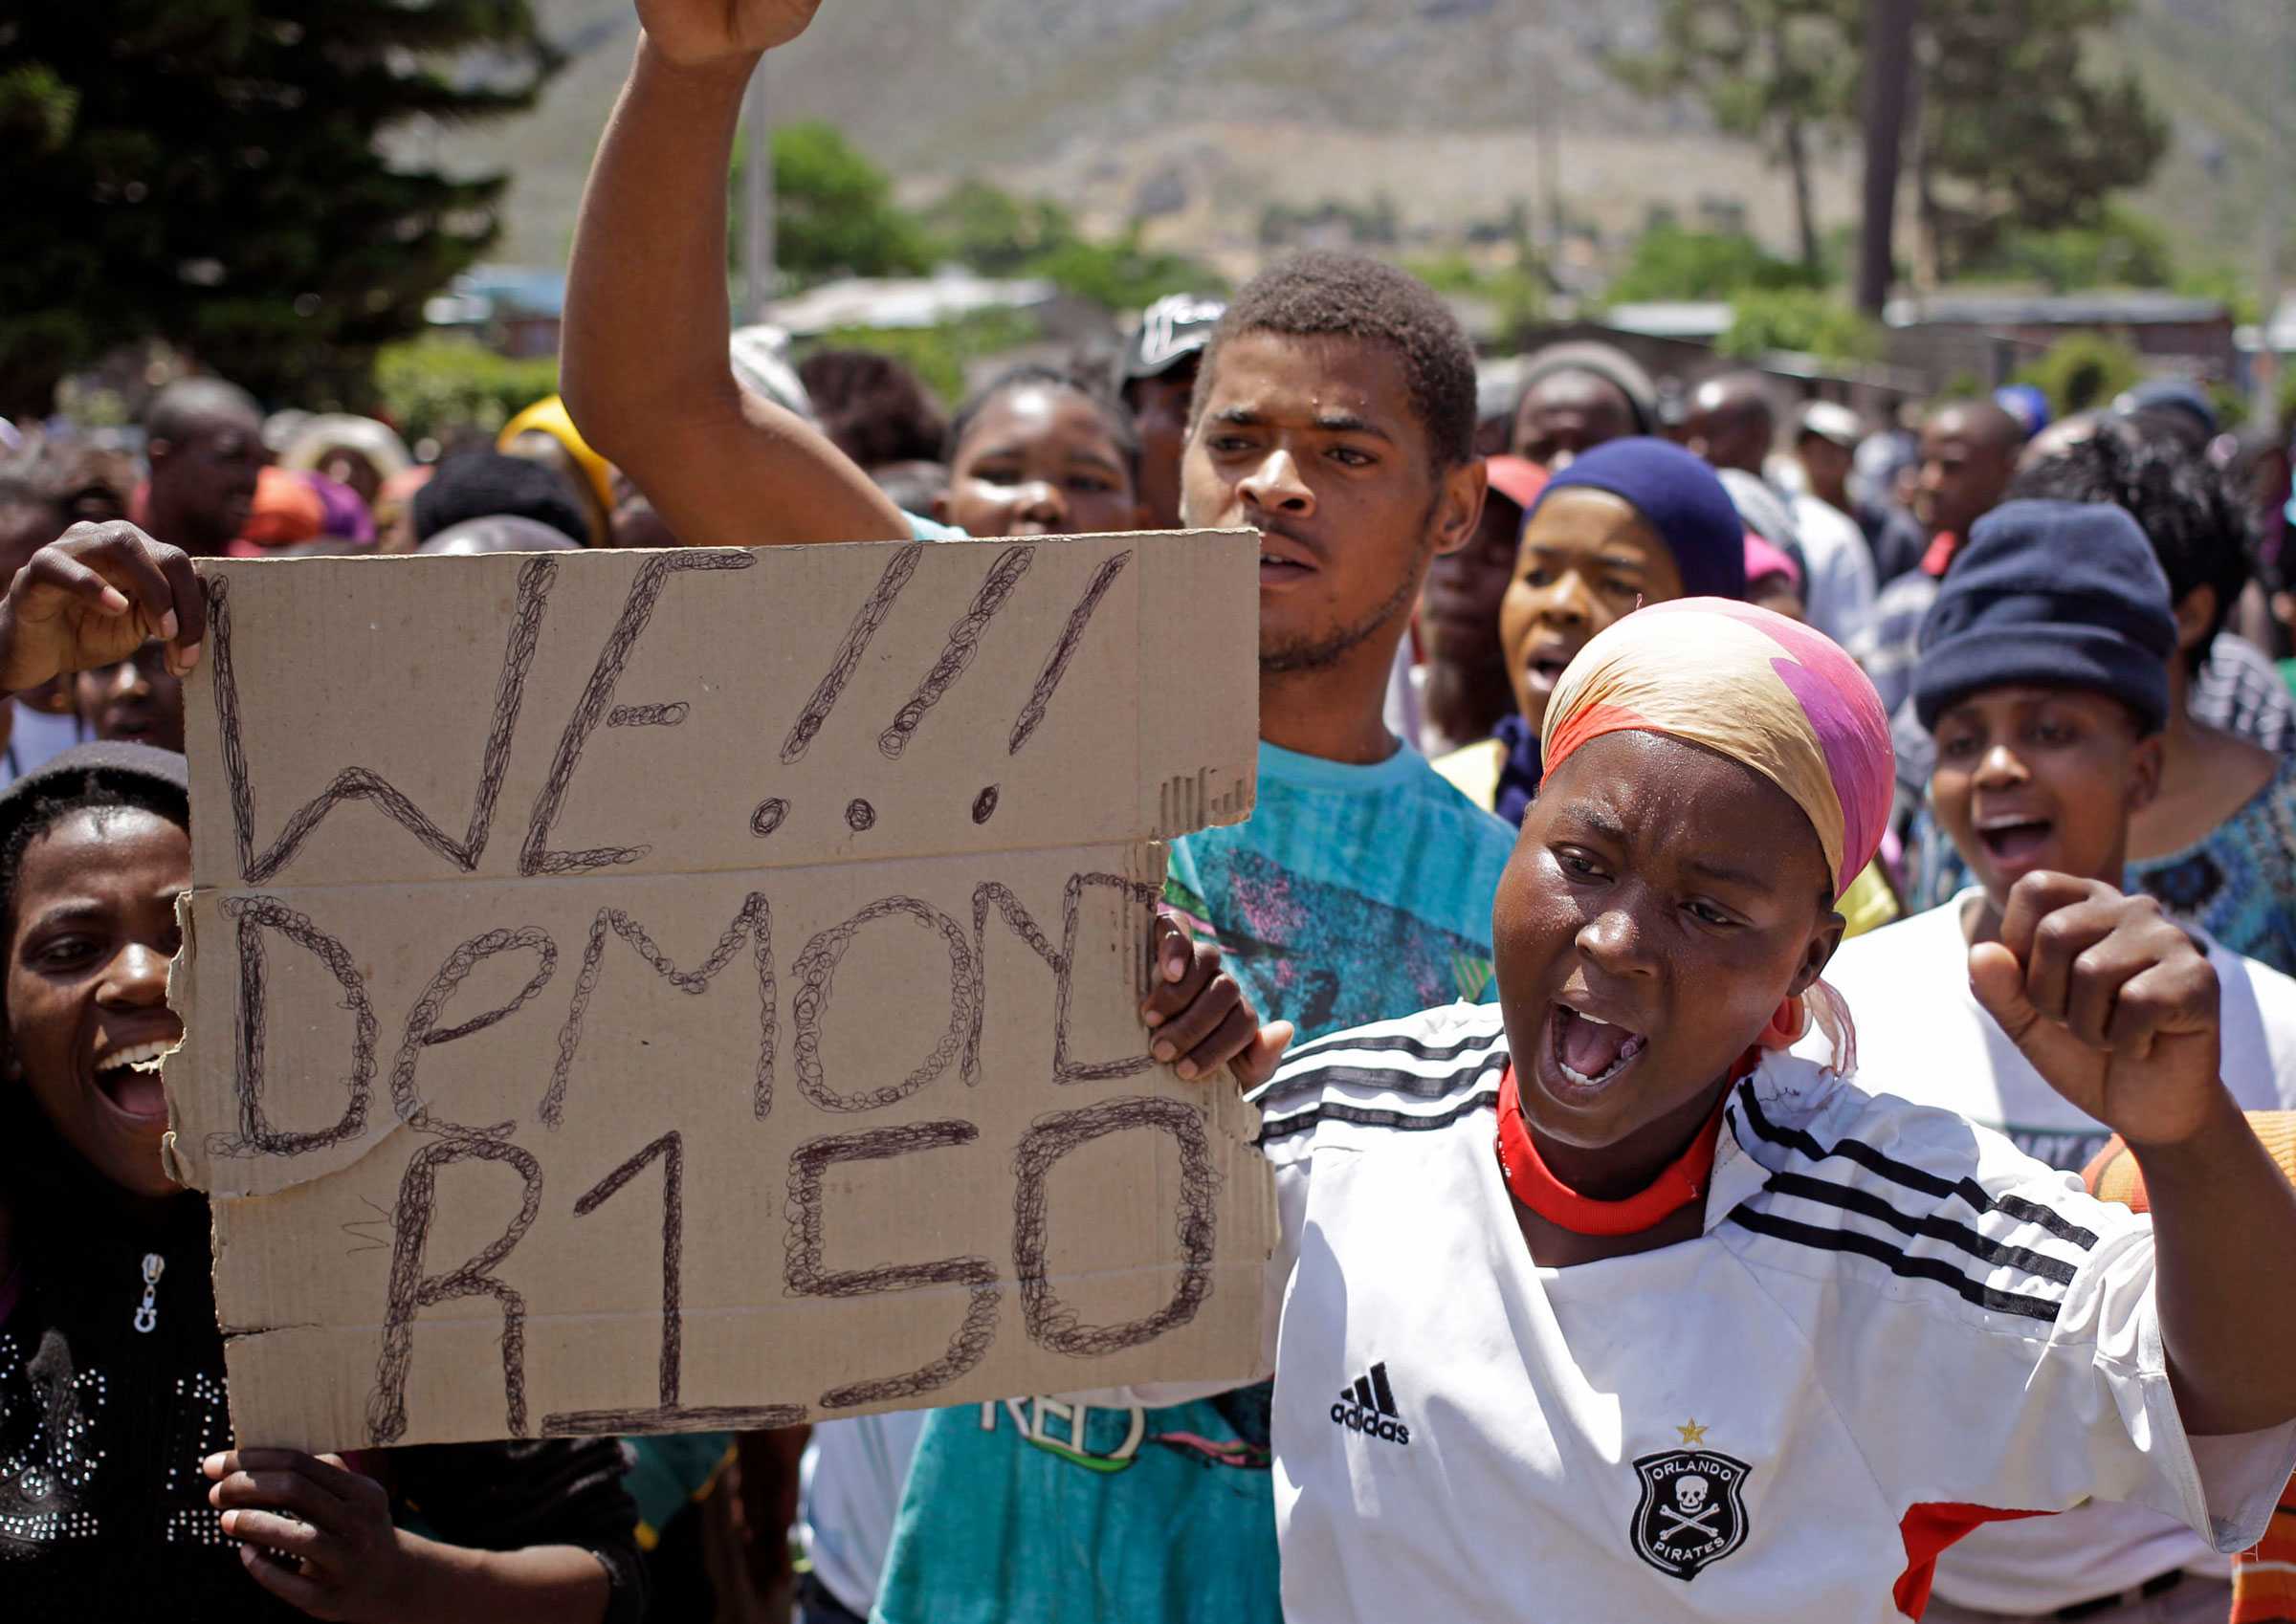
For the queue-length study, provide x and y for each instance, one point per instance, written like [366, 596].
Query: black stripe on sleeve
[1750, 1217]
[1396, 1043]
[1369, 1116]
[1394, 1080]
[1915, 1179]
[1983, 1247]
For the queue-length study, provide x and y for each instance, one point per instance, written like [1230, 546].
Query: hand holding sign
[95, 596]
[2111, 1002]
[1198, 1016]
[694, 33]
[314, 1533]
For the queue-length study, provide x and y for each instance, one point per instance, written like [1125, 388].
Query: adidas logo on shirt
[1368, 1407]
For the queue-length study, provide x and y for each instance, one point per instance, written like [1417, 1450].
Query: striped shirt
[1894, 1326]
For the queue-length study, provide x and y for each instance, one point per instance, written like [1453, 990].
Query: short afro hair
[1323, 293]
[494, 484]
[2197, 529]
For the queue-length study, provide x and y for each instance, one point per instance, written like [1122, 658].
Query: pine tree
[209, 172]
[2011, 133]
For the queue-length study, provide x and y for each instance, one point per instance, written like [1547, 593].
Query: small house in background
[1991, 336]
[514, 310]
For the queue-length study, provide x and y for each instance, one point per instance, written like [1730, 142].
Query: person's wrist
[425, 1579]
[730, 70]
[2219, 1125]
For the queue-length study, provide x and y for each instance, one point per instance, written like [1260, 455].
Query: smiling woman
[112, 1396]
[93, 853]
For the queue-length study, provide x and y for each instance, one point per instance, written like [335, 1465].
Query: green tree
[2083, 370]
[206, 171]
[436, 385]
[833, 213]
[1122, 275]
[2122, 249]
[1669, 262]
[1777, 71]
[2013, 133]
[995, 233]
[1802, 319]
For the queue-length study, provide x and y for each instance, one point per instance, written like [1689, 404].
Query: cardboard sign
[664, 990]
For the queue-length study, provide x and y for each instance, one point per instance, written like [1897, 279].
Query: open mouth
[130, 1078]
[1544, 666]
[1588, 1052]
[2015, 840]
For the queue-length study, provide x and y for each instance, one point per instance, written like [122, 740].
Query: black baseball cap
[1173, 330]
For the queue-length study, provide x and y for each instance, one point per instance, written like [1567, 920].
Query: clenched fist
[2110, 1001]
[694, 33]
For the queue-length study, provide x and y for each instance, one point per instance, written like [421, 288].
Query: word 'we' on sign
[654, 991]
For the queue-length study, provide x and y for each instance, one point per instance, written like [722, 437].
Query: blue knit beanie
[1678, 497]
[2053, 594]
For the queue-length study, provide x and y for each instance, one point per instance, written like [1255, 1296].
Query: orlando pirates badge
[1691, 1513]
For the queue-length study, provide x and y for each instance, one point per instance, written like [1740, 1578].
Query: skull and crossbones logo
[1690, 1508]
[1693, 1511]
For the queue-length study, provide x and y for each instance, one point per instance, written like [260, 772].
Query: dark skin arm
[340, 1557]
[643, 368]
[2118, 1009]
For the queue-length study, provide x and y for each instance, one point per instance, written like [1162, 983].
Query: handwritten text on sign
[639, 991]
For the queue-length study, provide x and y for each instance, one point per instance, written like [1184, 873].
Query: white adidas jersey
[1892, 1318]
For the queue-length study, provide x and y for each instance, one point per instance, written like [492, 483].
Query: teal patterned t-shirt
[1351, 894]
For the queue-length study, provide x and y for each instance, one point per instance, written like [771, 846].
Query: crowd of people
[1734, 885]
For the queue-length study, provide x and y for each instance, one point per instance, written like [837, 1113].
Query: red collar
[1526, 1175]
[1939, 556]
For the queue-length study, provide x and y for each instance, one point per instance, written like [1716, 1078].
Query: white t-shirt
[1891, 1316]
[1842, 588]
[1908, 989]
[848, 1490]
[37, 738]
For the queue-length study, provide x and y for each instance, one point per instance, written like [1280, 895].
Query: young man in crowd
[2045, 679]
[1576, 397]
[204, 439]
[1731, 424]
[1159, 379]
[1463, 686]
[1968, 457]
[1335, 414]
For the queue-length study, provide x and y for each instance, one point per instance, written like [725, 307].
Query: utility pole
[1889, 77]
[2279, 45]
[757, 203]
[1549, 154]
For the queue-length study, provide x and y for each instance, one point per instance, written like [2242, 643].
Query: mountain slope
[1202, 112]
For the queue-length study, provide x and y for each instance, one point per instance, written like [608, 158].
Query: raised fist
[696, 33]
[2110, 1001]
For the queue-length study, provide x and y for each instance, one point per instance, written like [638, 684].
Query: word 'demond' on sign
[660, 991]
